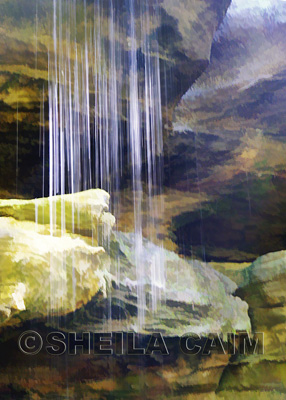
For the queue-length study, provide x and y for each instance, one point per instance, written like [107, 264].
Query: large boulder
[180, 296]
[48, 268]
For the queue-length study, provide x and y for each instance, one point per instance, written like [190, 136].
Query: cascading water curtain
[105, 118]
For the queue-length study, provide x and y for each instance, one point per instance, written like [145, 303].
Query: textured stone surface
[243, 89]
[83, 212]
[56, 273]
[176, 376]
[229, 140]
[263, 289]
[194, 297]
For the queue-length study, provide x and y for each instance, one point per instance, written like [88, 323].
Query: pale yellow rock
[79, 212]
[48, 268]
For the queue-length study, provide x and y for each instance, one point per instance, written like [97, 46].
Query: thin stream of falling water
[136, 163]
[43, 142]
[101, 105]
[36, 36]
[17, 147]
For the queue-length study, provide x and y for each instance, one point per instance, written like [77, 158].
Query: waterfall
[105, 117]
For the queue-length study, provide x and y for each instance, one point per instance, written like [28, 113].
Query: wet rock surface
[189, 297]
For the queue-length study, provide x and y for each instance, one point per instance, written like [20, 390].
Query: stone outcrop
[194, 297]
[48, 268]
[263, 289]
[84, 212]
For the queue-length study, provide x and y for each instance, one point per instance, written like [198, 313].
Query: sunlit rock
[49, 269]
[44, 274]
[79, 212]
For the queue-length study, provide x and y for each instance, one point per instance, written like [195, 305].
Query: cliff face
[231, 127]
[242, 90]
[184, 30]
